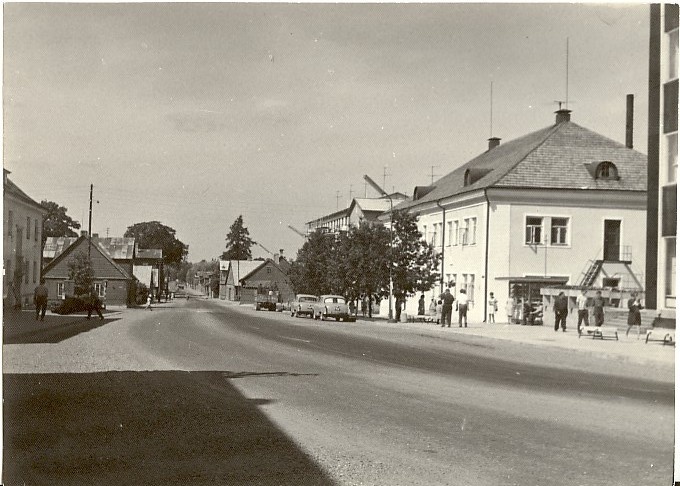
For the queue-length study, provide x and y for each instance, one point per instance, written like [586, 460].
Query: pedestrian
[510, 309]
[561, 310]
[40, 300]
[598, 309]
[352, 307]
[364, 306]
[634, 317]
[438, 311]
[149, 299]
[94, 304]
[447, 307]
[398, 305]
[582, 303]
[462, 308]
[492, 304]
[421, 305]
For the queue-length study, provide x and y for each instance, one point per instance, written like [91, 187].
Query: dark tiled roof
[554, 157]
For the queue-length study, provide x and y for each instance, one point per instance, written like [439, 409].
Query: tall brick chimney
[629, 120]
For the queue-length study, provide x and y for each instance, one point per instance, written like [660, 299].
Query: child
[439, 311]
[493, 307]
[148, 302]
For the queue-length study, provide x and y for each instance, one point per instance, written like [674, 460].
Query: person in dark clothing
[398, 306]
[40, 300]
[447, 307]
[561, 311]
[598, 309]
[634, 316]
[421, 305]
[94, 304]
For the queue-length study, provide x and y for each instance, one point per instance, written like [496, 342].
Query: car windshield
[334, 300]
[307, 299]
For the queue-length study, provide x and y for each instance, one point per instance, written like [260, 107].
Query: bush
[71, 305]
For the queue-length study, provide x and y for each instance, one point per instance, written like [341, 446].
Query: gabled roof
[556, 157]
[10, 188]
[283, 266]
[79, 241]
[243, 267]
[55, 245]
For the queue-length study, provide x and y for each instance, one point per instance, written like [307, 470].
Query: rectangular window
[35, 272]
[8, 270]
[10, 223]
[456, 232]
[35, 231]
[472, 231]
[533, 230]
[464, 233]
[26, 271]
[435, 234]
[470, 290]
[670, 13]
[558, 231]
[670, 267]
[100, 289]
[669, 210]
[670, 107]
[672, 155]
[449, 230]
[28, 227]
[425, 232]
[673, 55]
[61, 290]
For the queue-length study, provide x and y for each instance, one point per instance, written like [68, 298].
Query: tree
[309, 273]
[56, 222]
[238, 242]
[154, 235]
[80, 271]
[415, 262]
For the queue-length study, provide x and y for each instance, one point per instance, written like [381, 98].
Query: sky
[194, 114]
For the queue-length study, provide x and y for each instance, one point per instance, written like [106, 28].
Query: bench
[599, 332]
[421, 318]
[661, 335]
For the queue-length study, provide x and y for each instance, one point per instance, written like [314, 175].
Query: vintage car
[332, 306]
[303, 305]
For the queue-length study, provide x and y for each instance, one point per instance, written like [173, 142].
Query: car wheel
[292, 313]
[337, 319]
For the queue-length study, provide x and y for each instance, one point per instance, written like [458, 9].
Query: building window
[456, 232]
[26, 270]
[670, 267]
[269, 269]
[28, 227]
[35, 231]
[425, 232]
[533, 231]
[10, 223]
[672, 146]
[558, 231]
[61, 290]
[35, 272]
[449, 230]
[100, 289]
[472, 231]
[673, 54]
[8, 270]
[670, 107]
[607, 171]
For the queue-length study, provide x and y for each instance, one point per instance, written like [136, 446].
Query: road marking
[295, 339]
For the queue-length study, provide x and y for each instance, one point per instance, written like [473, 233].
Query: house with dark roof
[268, 275]
[113, 283]
[231, 272]
[22, 242]
[560, 206]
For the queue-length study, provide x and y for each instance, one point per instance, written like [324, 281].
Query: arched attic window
[473, 175]
[606, 171]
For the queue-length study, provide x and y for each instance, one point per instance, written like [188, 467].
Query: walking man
[94, 304]
[561, 311]
[598, 309]
[447, 307]
[40, 300]
[582, 302]
[493, 307]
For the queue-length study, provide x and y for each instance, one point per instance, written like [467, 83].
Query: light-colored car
[303, 305]
[332, 306]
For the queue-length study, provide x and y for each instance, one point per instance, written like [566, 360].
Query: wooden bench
[599, 332]
[425, 318]
[661, 335]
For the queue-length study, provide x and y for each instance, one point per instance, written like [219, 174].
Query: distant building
[559, 206]
[663, 161]
[22, 245]
[360, 209]
[268, 275]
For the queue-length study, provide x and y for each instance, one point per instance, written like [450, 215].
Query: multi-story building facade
[663, 160]
[555, 207]
[22, 245]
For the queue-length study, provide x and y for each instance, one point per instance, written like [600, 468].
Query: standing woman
[634, 318]
[510, 309]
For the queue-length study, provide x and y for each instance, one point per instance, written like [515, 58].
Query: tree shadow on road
[156, 427]
[22, 328]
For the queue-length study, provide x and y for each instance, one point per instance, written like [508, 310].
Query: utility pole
[337, 199]
[89, 226]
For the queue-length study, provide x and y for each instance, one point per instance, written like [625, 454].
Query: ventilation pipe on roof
[494, 142]
[629, 121]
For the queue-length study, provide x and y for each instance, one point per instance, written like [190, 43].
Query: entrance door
[612, 240]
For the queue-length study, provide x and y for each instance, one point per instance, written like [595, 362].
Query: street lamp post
[381, 191]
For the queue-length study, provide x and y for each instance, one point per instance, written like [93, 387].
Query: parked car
[332, 306]
[266, 301]
[303, 305]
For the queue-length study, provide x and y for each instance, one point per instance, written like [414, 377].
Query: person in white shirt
[582, 302]
[462, 308]
[492, 304]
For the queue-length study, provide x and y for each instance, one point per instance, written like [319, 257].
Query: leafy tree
[309, 273]
[415, 262]
[238, 242]
[56, 222]
[153, 235]
[80, 271]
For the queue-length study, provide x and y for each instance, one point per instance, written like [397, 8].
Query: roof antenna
[566, 102]
[491, 112]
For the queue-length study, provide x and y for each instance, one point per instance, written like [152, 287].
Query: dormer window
[467, 178]
[606, 171]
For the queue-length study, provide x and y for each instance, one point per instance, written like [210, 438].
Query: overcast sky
[192, 114]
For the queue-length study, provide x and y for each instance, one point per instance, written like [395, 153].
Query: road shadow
[151, 428]
[22, 328]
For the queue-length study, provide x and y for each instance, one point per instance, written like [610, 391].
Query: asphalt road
[201, 393]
